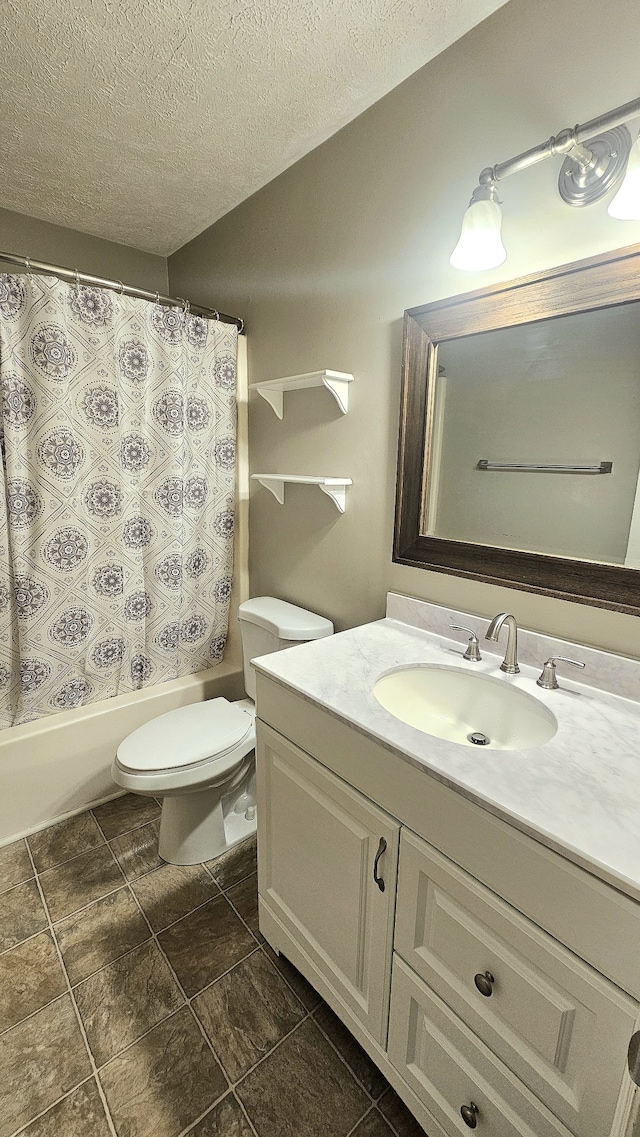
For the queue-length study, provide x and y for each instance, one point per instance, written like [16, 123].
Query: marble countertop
[578, 794]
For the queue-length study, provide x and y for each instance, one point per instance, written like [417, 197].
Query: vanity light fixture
[599, 156]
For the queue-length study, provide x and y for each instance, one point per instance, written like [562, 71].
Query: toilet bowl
[201, 758]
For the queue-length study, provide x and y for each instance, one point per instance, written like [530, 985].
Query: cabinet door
[320, 843]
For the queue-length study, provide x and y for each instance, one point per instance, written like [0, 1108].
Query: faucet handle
[473, 651]
[548, 678]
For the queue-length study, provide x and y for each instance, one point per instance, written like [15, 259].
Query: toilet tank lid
[287, 621]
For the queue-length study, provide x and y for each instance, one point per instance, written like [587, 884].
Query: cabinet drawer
[448, 1067]
[558, 1024]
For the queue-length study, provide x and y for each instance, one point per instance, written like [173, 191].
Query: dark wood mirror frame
[599, 282]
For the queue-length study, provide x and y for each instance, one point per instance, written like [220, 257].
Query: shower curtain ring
[27, 264]
[241, 326]
[121, 288]
[77, 278]
[157, 299]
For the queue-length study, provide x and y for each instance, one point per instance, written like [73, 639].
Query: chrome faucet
[510, 661]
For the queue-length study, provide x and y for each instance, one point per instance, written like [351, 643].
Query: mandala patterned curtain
[118, 436]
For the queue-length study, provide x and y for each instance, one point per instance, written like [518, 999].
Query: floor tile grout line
[26, 939]
[85, 907]
[263, 947]
[152, 936]
[83, 1033]
[359, 1121]
[345, 1060]
[73, 857]
[77, 911]
[140, 1038]
[90, 848]
[68, 860]
[188, 1000]
[244, 1110]
[236, 882]
[161, 931]
[186, 1003]
[118, 959]
[115, 836]
[44, 1112]
[228, 1094]
[210, 1108]
[392, 1127]
[241, 917]
[32, 1014]
[16, 884]
[264, 1057]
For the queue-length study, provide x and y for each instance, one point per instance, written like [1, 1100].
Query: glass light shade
[480, 245]
[625, 206]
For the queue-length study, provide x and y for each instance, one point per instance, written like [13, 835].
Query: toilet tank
[270, 625]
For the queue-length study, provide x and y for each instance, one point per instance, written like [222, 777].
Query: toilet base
[196, 827]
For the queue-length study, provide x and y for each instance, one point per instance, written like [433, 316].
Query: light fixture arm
[569, 142]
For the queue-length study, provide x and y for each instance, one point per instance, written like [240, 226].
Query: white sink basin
[474, 710]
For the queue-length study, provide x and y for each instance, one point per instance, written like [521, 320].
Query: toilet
[200, 759]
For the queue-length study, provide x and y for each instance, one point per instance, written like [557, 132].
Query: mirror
[519, 458]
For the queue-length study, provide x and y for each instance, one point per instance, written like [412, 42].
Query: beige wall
[323, 261]
[29, 237]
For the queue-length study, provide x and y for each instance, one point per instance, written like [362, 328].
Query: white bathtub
[57, 766]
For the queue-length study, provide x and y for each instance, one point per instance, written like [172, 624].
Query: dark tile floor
[138, 999]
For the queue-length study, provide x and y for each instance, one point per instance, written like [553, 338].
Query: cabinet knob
[469, 1114]
[484, 982]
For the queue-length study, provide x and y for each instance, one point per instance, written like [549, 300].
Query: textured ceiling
[143, 121]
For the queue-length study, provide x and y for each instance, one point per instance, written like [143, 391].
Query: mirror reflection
[559, 400]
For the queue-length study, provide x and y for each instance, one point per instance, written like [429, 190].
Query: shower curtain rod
[72, 274]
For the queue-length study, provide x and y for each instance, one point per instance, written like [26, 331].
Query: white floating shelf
[335, 381]
[335, 488]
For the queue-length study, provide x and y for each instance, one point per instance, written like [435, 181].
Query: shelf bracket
[275, 485]
[338, 495]
[339, 389]
[275, 399]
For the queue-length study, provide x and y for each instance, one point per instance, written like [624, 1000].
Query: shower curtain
[118, 436]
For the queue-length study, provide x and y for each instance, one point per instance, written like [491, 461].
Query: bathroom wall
[323, 261]
[29, 237]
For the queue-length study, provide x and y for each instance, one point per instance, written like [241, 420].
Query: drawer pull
[484, 983]
[469, 1114]
[382, 848]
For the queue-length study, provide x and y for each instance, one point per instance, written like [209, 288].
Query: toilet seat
[201, 744]
[184, 737]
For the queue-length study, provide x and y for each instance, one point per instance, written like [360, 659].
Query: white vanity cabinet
[494, 983]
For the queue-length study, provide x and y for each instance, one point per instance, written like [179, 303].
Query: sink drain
[478, 739]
